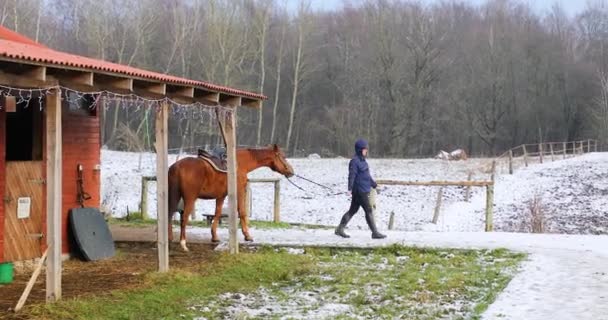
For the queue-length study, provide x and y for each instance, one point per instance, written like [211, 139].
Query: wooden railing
[277, 196]
[488, 184]
[541, 152]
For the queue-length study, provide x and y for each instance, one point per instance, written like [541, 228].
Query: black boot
[340, 229]
[372, 226]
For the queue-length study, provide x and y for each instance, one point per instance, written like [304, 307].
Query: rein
[316, 183]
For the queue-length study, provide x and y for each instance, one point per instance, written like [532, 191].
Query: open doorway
[24, 132]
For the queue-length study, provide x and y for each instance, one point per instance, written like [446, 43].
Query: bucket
[6, 273]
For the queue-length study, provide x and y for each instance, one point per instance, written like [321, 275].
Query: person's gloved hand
[377, 190]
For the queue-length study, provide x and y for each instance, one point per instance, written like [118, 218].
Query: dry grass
[534, 219]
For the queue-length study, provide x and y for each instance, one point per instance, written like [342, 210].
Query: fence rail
[488, 184]
[527, 153]
[248, 206]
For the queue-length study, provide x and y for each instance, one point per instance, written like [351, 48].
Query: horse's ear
[275, 147]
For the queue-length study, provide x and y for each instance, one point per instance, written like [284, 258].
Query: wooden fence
[488, 184]
[277, 196]
[541, 152]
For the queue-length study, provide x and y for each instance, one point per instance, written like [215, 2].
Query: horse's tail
[174, 195]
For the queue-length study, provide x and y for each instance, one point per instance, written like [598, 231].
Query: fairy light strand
[195, 110]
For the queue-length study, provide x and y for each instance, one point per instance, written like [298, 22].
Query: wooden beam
[435, 183]
[228, 125]
[181, 91]
[230, 101]
[252, 103]
[15, 80]
[115, 82]
[162, 187]
[205, 95]
[53, 194]
[36, 73]
[10, 103]
[149, 86]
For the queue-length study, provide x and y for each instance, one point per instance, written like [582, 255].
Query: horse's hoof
[215, 240]
[249, 239]
[183, 245]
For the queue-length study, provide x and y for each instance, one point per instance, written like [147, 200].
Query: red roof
[16, 46]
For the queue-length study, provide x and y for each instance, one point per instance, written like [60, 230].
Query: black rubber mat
[91, 234]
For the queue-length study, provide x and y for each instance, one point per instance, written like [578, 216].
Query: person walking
[360, 183]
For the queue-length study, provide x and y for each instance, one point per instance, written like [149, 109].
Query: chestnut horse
[194, 178]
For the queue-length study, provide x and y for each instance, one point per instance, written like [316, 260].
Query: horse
[195, 178]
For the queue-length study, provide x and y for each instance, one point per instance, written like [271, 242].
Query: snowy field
[573, 193]
[564, 278]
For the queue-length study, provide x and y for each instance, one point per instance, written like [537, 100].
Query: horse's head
[279, 162]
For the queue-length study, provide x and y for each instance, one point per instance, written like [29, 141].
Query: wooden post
[391, 221]
[30, 284]
[143, 204]
[589, 146]
[595, 143]
[162, 186]
[552, 154]
[277, 201]
[229, 126]
[489, 207]
[582, 147]
[510, 161]
[467, 195]
[248, 197]
[490, 202]
[525, 154]
[438, 205]
[565, 146]
[53, 194]
[540, 151]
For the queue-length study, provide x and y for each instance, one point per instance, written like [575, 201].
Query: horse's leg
[219, 202]
[188, 208]
[170, 226]
[243, 215]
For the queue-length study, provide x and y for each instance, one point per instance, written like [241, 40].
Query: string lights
[193, 111]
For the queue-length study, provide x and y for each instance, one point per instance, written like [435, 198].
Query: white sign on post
[23, 207]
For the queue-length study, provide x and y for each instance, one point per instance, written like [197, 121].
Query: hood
[359, 146]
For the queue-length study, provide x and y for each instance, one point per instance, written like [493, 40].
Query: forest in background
[411, 77]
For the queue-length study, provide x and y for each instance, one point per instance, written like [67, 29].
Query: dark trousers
[360, 199]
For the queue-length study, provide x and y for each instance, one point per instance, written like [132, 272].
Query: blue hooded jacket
[359, 177]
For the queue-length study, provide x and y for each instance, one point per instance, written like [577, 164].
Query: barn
[46, 135]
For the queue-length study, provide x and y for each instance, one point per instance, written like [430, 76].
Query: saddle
[216, 158]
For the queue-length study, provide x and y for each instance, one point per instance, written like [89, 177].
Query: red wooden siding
[2, 180]
[81, 144]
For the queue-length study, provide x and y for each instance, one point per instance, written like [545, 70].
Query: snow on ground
[573, 192]
[565, 276]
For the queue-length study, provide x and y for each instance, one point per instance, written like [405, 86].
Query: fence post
[391, 221]
[582, 147]
[525, 154]
[438, 205]
[573, 148]
[588, 145]
[277, 201]
[248, 204]
[467, 195]
[552, 154]
[489, 207]
[595, 143]
[143, 205]
[565, 151]
[510, 161]
[540, 151]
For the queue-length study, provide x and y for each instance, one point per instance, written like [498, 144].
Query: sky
[572, 7]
